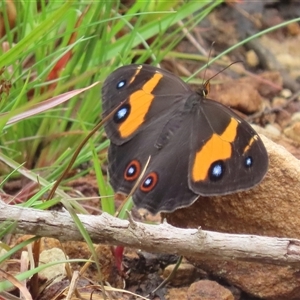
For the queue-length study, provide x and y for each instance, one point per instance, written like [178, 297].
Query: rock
[293, 132]
[288, 56]
[184, 275]
[246, 100]
[268, 83]
[177, 293]
[273, 130]
[296, 117]
[286, 93]
[57, 271]
[271, 209]
[293, 29]
[278, 102]
[246, 94]
[267, 281]
[252, 59]
[208, 290]
[283, 118]
[80, 250]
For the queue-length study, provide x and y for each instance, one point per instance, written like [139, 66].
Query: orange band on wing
[250, 143]
[218, 147]
[138, 70]
[139, 102]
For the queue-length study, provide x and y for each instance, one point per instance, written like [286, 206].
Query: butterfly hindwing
[127, 161]
[164, 186]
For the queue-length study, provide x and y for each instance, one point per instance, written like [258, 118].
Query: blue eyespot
[216, 170]
[121, 84]
[147, 182]
[122, 113]
[132, 171]
[248, 162]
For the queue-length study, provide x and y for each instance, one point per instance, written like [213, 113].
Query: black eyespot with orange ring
[132, 171]
[149, 182]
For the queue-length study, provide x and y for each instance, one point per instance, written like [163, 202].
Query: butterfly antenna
[206, 84]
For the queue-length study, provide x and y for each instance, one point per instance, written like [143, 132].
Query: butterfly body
[197, 146]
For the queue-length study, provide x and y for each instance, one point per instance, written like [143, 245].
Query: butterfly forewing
[142, 91]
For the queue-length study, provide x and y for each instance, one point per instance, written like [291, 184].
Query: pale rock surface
[57, 271]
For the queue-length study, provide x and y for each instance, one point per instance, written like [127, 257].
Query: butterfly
[196, 146]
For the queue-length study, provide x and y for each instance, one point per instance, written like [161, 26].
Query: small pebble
[208, 290]
[293, 29]
[295, 117]
[278, 102]
[252, 59]
[286, 93]
[56, 272]
[293, 132]
[272, 130]
[184, 275]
